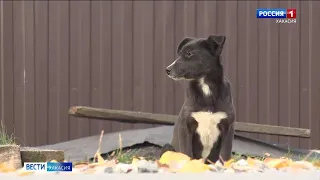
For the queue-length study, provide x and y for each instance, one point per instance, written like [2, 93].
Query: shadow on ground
[147, 143]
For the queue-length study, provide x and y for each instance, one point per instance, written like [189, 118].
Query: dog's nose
[168, 71]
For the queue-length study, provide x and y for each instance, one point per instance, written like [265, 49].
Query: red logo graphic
[291, 13]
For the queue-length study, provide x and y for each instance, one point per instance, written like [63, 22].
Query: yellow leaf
[316, 164]
[134, 161]
[194, 166]
[278, 163]
[266, 160]
[169, 156]
[229, 163]
[100, 158]
[252, 161]
[301, 165]
[53, 161]
[4, 167]
[175, 166]
[8, 166]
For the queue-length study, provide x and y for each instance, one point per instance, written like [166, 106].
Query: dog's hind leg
[226, 146]
[165, 148]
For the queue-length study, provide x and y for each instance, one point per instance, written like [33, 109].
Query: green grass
[122, 157]
[289, 154]
[5, 138]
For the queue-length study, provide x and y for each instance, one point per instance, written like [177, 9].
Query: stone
[108, 170]
[147, 167]
[123, 168]
[241, 162]
[242, 166]
[10, 154]
[212, 168]
[219, 167]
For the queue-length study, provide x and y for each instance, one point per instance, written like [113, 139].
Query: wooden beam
[150, 118]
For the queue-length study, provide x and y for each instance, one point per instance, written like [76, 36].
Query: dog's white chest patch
[205, 88]
[207, 129]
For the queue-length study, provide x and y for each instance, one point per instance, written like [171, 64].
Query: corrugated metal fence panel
[112, 54]
[309, 67]
[7, 109]
[1, 47]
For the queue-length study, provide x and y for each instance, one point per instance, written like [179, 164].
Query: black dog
[205, 128]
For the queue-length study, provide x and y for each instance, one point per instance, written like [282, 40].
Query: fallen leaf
[316, 164]
[175, 166]
[164, 170]
[278, 163]
[165, 166]
[169, 156]
[229, 163]
[251, 161]
[194, 166]
[301, 165]
[99, 158]
[134, 161]
[7, 167]
[266, 160]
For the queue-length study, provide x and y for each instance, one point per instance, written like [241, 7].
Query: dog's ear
[216, 43]
[183, 42]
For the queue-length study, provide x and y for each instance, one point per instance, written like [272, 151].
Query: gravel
[143, 169]
[310, 175]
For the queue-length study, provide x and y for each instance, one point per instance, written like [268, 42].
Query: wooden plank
[273, 130]
[122, 116]
[30, 154]
[150, 118]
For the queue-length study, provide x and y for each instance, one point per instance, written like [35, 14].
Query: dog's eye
[189, 54]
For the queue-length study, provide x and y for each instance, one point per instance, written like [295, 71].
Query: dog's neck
[207, 87]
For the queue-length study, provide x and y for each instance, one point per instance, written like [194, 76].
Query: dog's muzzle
[168, 71]
[169, 68]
